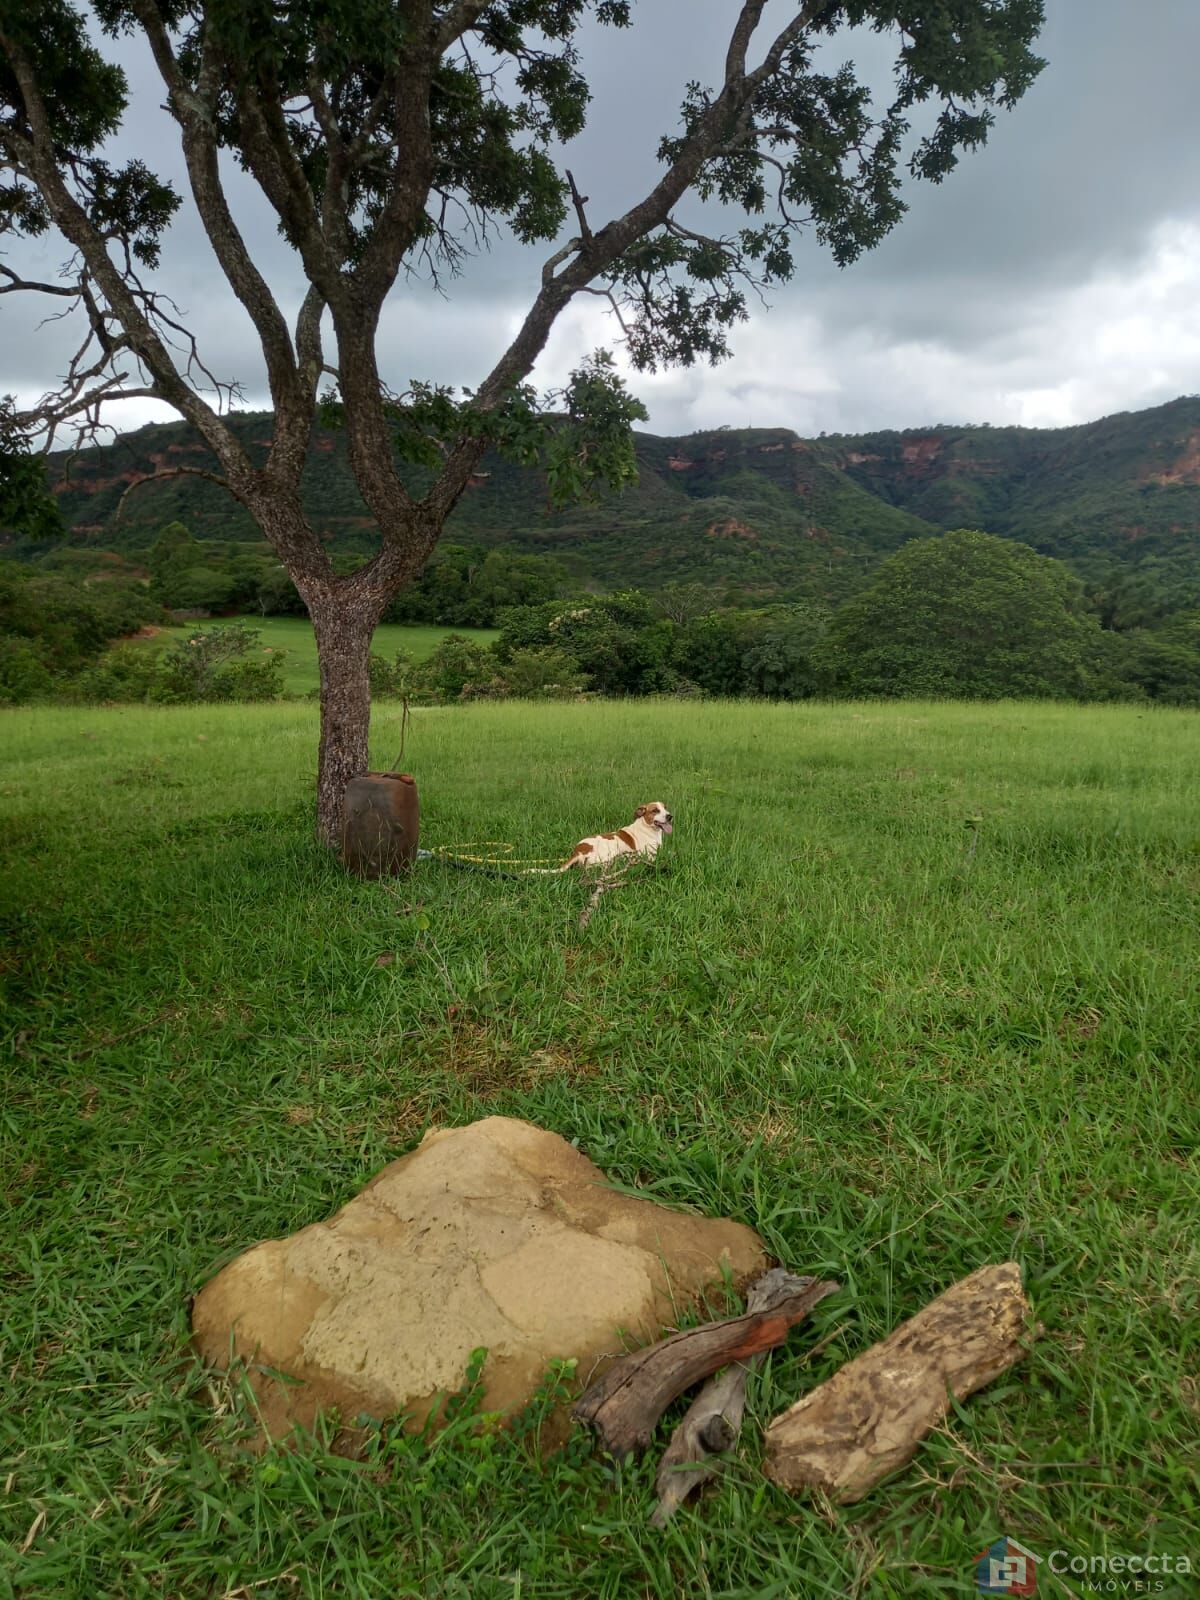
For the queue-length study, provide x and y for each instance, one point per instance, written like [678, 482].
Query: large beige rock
[497, 1234]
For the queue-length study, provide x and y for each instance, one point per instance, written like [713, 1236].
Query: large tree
[970, 616]
[388, 133]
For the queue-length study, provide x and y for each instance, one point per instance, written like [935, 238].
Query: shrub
[275, 595]
[966, 615]
[618, 642]
[492, 688]
[456, 665]
[121, 607]
[252, 677]
[784, 658]
[24, 672]
[1164, 664]
[54, 627]
[216, 664]
[545, 674]
[708, 652]
[199, 588]
[393, 679]
[127, 673]
[467, 587]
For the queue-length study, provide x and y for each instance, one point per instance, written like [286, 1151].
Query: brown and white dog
[641, 838]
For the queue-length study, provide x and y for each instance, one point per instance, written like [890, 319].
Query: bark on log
[628, 1400]
[869, 1418]
[714, 1418]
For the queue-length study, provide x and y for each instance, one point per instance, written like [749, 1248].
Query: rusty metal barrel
[382, 824]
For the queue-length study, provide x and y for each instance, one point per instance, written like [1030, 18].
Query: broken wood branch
[579, 201]
[612, 878]
[868, 1419]
[625, 1404]
[714, 1419]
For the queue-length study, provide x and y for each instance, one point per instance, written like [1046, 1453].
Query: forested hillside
[758, 513]
[1123, 490]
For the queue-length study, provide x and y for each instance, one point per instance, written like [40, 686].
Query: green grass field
[898, 1045]
[295, 636]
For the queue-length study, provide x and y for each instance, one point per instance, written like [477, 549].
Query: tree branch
[169, 472]
[52, 411]
[601, 250]
[38, 156]
[739, 44]
[308, 341]
[273, 163]
[403, 213]
[194, 111]
[15, 283]
[579, 201]
[458, 20]
[786, 37]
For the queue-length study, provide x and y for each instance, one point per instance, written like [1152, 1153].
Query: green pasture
[295, 636]
[916, 988]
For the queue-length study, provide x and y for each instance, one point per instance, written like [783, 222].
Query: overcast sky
[1053, 278]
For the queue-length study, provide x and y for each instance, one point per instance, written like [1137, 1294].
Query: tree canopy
[970, 616]
[384, 133]
[395, 135]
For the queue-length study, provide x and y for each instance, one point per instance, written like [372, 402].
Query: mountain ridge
[763, 512]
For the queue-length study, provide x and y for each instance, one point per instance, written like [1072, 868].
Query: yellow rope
[455, 852]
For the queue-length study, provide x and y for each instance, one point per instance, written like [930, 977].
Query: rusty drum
[382, 824]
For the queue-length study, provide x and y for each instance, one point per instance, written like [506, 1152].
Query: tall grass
[919, 991]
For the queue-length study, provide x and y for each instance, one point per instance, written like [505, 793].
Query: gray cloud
[1053, 277]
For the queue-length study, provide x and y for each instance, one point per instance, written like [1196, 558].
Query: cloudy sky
[1053, 278]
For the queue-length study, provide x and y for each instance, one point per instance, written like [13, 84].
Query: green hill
[1125, 488]
[757, 511]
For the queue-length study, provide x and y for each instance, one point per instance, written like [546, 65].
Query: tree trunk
[344, 634]
[345, 612]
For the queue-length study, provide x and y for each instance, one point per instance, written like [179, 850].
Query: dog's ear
[642, 810]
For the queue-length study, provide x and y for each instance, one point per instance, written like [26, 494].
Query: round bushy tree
[966, 615]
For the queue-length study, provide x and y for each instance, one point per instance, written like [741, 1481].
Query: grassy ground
[898, 1045]
[295, 636]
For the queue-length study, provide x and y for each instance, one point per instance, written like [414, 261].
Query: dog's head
[657, 815]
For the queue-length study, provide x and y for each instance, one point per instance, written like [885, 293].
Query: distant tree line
[53, 628]
[64, 641]
[461, 588]
[962, 615]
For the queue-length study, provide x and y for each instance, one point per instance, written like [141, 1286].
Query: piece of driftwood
[714, 1418]
[868, 1419]
[626, 1403]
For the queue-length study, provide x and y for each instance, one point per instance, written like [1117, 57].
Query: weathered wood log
[626, 1403]
[714, 1418]
[868, 1419]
